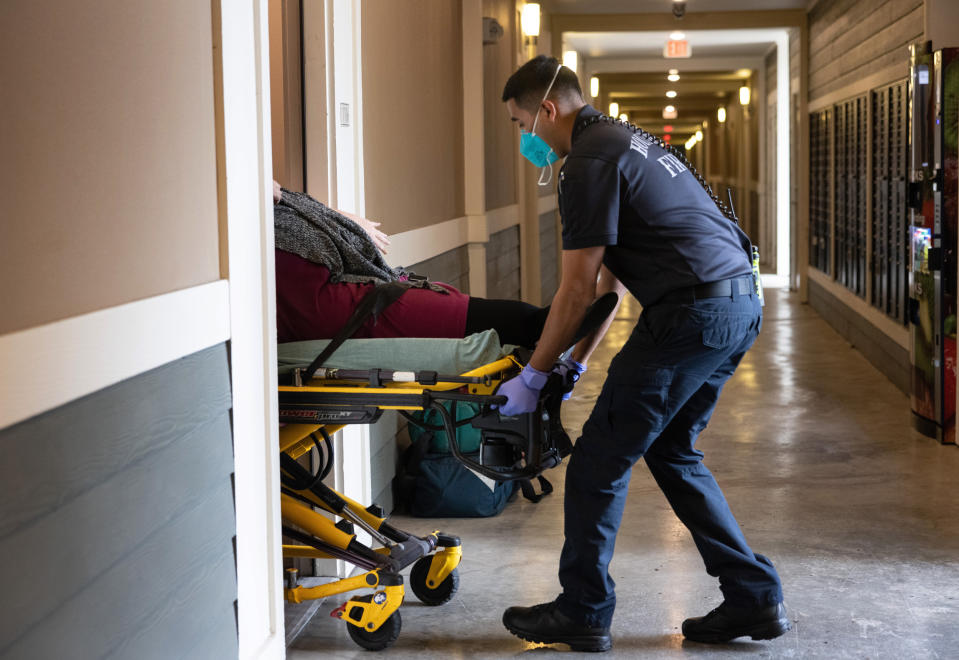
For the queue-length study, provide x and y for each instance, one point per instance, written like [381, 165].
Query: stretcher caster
[381, 638]
[429, 590]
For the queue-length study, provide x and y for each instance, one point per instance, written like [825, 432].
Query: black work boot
[726, 623]
[545, 624]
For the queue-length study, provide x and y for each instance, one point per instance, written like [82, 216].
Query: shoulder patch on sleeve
[640, 143]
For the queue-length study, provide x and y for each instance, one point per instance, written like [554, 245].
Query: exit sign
[677, 48]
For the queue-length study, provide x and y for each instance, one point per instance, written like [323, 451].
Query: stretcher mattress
[446, 356]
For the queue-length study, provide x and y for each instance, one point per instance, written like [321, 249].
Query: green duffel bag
[431, 422]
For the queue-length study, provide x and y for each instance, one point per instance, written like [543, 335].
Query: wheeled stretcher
[315, 402]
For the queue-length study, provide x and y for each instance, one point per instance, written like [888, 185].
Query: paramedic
[634, 211]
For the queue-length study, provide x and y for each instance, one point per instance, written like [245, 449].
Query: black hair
[528, 83]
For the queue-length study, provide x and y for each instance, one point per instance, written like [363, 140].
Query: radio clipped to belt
[757, 279]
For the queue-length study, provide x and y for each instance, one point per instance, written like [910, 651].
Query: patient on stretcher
[327, 261]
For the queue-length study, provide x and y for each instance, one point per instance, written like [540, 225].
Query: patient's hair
[528, 84]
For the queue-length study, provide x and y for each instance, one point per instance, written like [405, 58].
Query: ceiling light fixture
[744, 95]
[677, 36]
[721, 114]
[673, 77]
[570, 59]
[699, 136]
[671, 94]
[614, 109]
[624, 117]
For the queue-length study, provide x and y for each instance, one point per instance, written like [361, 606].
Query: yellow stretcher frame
[374, 620]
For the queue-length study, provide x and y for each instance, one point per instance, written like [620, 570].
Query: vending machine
[934, 123]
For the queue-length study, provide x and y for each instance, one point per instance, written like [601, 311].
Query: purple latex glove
[569, 370]
[522, 392]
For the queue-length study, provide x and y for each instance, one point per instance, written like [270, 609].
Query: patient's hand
[381, 240]
[277, 193]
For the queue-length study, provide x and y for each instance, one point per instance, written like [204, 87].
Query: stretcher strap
[373, 303]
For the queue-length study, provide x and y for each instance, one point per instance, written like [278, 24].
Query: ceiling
[702, 43]
[632, 72]
[665, 6]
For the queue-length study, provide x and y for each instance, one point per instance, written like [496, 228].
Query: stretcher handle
[496, 475]
[482, 399]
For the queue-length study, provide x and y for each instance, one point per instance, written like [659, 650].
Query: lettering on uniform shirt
[672, 164]
[641, 143]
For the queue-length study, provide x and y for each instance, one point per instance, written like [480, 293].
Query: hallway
[814, 449]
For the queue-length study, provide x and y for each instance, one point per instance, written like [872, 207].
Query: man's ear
[550, 109]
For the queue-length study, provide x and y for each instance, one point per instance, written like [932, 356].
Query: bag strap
[416, 452]
[529, 492]
[373, 303]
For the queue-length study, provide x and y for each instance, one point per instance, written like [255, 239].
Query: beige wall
[500, 135]
[412, 112]
[108, 174]
[286, 98]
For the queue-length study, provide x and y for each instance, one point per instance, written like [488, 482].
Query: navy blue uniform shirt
[662, 231]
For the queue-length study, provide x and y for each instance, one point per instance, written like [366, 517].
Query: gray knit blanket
[319, 234]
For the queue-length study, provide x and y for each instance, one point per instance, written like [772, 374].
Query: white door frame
[244, 173]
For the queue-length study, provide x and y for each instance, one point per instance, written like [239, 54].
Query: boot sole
[591, 644]
[769, 630]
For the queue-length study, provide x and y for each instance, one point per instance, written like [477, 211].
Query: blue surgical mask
[534, 148]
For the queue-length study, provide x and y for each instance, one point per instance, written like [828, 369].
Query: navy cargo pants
[659, 394]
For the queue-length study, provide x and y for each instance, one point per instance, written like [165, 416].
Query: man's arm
[607, 282]
[577, 289]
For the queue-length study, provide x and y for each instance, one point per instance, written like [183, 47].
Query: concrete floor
[814, 449]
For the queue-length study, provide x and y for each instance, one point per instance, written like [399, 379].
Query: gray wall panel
[153, 600]
[885, 354]
[548, 264]
[128, 420]
[118, 518]
[503, 264]
[451, 267]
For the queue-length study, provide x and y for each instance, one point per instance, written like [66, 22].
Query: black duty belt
[721, 289]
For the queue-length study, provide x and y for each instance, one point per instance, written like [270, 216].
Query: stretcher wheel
[382, 637]
[437, 595]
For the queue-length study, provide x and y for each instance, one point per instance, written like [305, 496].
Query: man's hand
[277, 192]
[522, 392]
[381, 240]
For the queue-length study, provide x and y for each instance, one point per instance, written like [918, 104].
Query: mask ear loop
[549, 169]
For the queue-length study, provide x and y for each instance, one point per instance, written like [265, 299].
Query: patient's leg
[520, 323]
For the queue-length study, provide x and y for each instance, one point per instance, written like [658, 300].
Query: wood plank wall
[117, 521]
[856, 47]
[851, 39]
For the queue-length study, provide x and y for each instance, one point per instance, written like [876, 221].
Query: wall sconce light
[614, 109]
[699, 136]
[744, 95]
[529, 22]
[721, 115]
[594, 86]
[624, 117]
[570, 60]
